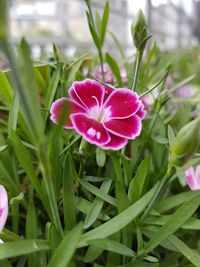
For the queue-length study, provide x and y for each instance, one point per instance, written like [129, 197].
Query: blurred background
[172, 23]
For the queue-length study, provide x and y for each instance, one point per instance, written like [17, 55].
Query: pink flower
[104, 117]
[108, 75]
[3, 208]
[193, 178]
[147, 102]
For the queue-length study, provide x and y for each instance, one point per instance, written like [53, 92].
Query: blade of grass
[96, 205]
[112, 246]
[173, 224]
[22, 247]
[66, 249]
[69, 193]
[120, 221]
[94, 190]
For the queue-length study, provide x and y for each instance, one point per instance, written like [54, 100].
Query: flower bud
[4, 20]
[185, 143]
[139, 31]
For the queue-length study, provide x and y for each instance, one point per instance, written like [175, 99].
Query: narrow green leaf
[41, 79]
[94, 190]
[56, 53]
[137, 184]
[69, 193]
[27, 89]
[31, 221]
[22, 247]
[171, 135]
[96, 205]
[192, 255]
[174, 223]
[115, 69]
[104, 22]
[85, 206]
[92, 253]
[31, 231]
[8, 179]
[5, 88]
[93, 32]
[51, 91]
[190, 224]
[118, 45]
[24, 158]
[66, 249]
[120, 221]
[13, 114]
[98, 23]
[173, 201]
[100, 157]
[113, 246]
[2, 148]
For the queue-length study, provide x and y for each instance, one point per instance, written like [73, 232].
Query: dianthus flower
[3, 208]
[104, 117]
[193, 177]
[108, 75]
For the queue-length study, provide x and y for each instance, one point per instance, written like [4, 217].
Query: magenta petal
[126, 128]
[197, 175]
[91, 130]
[122, 103]
[3, 207]
[64, 105]
[87, 93]
[190, 178]
[141, 112]
[115, 143]
[108, 92]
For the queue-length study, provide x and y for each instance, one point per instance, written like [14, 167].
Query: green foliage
[73, 204]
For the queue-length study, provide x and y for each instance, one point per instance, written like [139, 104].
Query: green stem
[137, 69]
[101, 63]
[159, 192]
[99, 49]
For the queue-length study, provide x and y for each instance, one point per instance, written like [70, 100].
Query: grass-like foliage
[75, 200]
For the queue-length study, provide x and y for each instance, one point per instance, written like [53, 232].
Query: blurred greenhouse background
[173, 23]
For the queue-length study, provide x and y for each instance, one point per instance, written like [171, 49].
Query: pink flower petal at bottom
[115, 143]
[126, 128]
[191, 179]
[197, 174]
[122, 103]
[141, 112]
[64, 107]
[90, 129]
[3, 207]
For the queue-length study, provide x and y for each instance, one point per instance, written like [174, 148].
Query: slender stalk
[101, 63]
[159, 192]
[99, 49]
[136, 70]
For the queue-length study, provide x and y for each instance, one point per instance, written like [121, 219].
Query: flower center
[98, 113]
